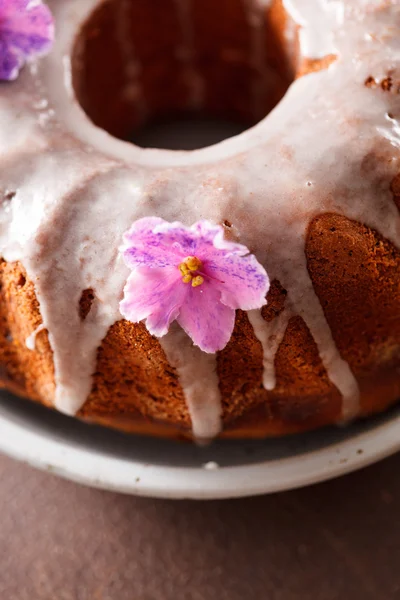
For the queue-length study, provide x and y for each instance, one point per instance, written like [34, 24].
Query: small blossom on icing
[26, 30]
[192, 275]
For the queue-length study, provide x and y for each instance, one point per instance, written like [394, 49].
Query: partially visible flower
[26, 30]
[192, 275]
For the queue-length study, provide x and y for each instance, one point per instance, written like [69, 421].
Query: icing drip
[133, 91]
[199, 380]
[30, 341]
[186, 53]
[95, 265]
[78, 189]
[270, 334]
[309, 308]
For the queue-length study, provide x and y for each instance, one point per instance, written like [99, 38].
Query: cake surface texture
[312, 188]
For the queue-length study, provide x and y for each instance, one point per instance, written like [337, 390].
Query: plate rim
[119, 474]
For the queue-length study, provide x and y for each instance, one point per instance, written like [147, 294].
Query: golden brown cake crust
[355, 274]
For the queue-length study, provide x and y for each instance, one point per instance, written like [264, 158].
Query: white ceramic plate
[137, 465]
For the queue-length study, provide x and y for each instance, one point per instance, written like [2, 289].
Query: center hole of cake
[185, 132]
[180, 74]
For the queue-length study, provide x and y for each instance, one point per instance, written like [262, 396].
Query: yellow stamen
[193, 263]
[189, 267]
[198, 280]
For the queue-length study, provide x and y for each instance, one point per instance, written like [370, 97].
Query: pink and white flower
[192, 275]
[26, 30]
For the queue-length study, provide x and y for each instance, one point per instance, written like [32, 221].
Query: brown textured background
[338, 540]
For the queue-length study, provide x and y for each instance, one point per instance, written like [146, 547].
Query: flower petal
[205, 319]
[27, 44]
[10, 62]
[152, 242]
[212, 241]
[206, 230]
[155, 295]
[232, 279]
[179, 236]
[30, 22]
[26, 29]
[241, 280]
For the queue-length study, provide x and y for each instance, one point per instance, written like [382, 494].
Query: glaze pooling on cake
[305, 159]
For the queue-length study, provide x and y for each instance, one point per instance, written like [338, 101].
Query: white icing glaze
[18, 130]
[84, 188]
[30, 341]
[317, 20]
[270, 334]
[198, 377]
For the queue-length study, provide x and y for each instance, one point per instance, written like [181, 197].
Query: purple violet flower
[26, 30]
[192, 275]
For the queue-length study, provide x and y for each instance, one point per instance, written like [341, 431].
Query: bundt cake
[311, 191]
